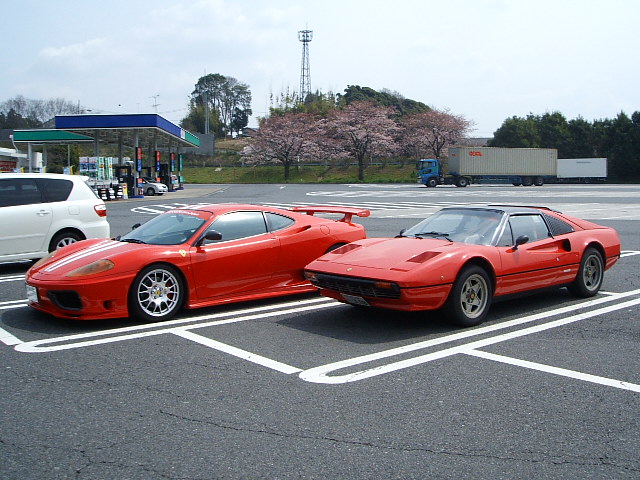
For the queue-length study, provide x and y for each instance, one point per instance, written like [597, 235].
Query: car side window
[55, 190]
[19, 191]
[235, 225]
[533, 226]
[278, 222]
[506, 239]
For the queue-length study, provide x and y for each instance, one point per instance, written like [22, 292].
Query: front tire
[150, 192]
[432, 183]
[156, 293]
[590, 274]
[470, 298]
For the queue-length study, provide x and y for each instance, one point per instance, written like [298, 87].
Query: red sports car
[460, 258]
[191, 257]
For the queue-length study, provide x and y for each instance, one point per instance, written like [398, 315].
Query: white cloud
[485, 59]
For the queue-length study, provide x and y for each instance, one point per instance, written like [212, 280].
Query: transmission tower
[305, 36]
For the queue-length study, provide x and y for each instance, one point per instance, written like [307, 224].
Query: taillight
[101, 210]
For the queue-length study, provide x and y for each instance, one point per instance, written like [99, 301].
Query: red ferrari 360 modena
[192, 257]
[460, 258]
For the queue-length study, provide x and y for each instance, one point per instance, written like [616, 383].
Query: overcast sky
[487, 60]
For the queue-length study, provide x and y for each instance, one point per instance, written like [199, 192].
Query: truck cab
[429, 172]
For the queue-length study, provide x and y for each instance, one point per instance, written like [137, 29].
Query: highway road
[304, 387]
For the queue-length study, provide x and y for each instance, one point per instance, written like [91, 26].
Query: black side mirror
[212, 235]
[521, 240]
[136, 226]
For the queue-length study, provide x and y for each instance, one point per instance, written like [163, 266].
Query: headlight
[98, 266]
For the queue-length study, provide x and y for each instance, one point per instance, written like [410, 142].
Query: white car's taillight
[101, 210]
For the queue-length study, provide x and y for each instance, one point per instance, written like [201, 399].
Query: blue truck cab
[429, 172]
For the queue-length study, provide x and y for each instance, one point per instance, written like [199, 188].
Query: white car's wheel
[63, 239]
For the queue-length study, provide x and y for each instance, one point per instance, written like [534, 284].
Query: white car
[40, 212]
[151, 187]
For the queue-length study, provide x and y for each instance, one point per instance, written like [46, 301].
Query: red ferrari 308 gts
[460, 258]
[192, 257]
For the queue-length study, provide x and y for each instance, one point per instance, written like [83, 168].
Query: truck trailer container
[581, 170]
[518, 166]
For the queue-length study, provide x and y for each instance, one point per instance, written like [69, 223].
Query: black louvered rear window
[557, 226]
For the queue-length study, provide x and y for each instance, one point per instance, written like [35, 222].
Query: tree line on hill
[617, 139]
[362, 124]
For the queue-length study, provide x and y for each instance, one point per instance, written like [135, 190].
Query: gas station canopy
[126, 129]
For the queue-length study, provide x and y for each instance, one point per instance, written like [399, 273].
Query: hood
[403, 253]
[80, 254]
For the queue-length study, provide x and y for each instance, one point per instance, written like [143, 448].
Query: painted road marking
[12, 304]
[128, 333]
[245, 355]
[156, 209]
[321, 374]
[12, 278]
[555, 370]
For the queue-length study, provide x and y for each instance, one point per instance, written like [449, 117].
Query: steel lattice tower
[305, 36]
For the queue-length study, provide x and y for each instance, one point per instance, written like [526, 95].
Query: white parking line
[12, 304]
[609, 382]
[36, 346]
[8, 339]
[12, 278]
[237, 352]
[321, 374]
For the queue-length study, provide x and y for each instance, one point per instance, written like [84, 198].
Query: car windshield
[478, 227]
[168, 229]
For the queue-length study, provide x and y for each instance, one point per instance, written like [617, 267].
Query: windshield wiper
[433, 234]
[132, 240]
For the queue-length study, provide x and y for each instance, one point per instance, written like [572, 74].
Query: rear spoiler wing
[348, 212]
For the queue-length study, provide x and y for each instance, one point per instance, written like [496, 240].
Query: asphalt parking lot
[304, 387]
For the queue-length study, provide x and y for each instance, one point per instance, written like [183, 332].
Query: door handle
[41, 213]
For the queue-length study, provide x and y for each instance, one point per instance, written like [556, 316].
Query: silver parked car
[40, 212]
[151, 187]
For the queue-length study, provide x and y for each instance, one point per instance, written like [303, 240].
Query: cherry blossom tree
[361, 129]
[286, 139]
[430, 133]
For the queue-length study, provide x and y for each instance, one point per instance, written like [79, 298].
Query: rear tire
[590, 274]
[470, 297]
[462, 182]
[63, 239]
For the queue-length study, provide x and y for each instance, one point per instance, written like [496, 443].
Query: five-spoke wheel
[590, 274]
[470, 297]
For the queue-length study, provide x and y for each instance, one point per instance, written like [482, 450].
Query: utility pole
[155, 102]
